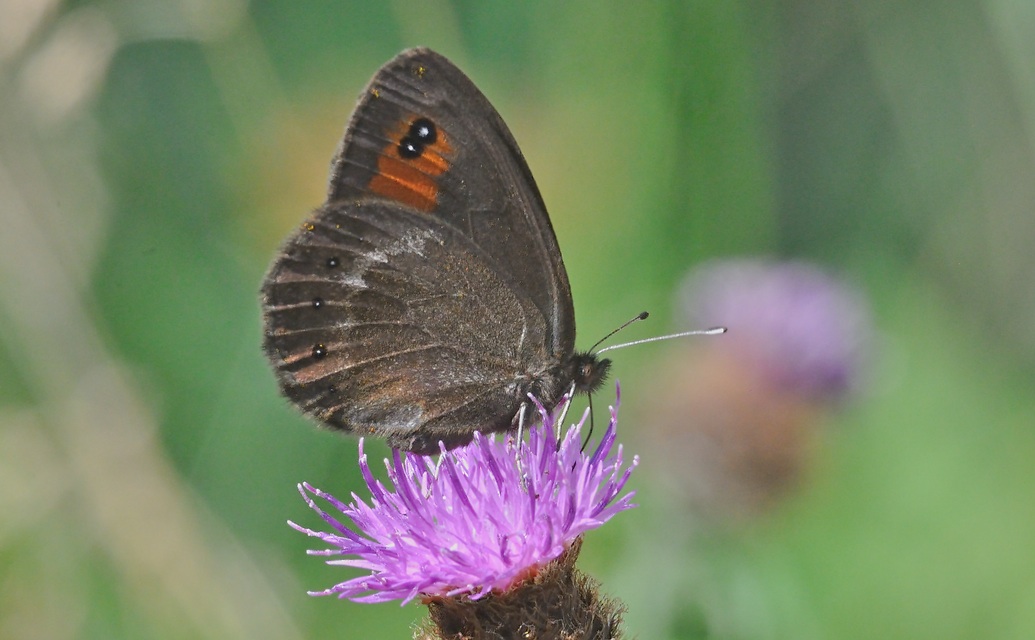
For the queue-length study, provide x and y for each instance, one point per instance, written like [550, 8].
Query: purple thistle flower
[739, 416]
[809, 331]
[479, 519]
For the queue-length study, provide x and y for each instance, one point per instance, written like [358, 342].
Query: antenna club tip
[643, 315]
[717, 330]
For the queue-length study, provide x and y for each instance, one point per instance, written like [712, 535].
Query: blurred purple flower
[481, 518]
[809, 331]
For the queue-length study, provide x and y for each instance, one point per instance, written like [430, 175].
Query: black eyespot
[333, 262]
[319, 351]
[410, 148]
[332, 388]
[317, 303]
[423, 131]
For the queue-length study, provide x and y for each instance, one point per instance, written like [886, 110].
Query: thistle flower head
[476, 520]
[739, 416]
[810, 332]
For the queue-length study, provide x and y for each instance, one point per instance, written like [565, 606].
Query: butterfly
[426, 298]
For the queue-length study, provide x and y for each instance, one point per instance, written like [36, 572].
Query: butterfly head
[589, 372]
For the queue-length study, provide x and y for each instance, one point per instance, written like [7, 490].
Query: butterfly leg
[564, 411]
[520, 437]
[589, 434]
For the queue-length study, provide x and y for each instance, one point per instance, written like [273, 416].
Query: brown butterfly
[427, 297]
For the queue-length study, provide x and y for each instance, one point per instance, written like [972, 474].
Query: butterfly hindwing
[364, 311]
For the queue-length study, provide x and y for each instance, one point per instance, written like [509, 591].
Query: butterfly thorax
[584, 371]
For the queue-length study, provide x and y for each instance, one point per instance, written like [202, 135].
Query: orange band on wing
[411, 181]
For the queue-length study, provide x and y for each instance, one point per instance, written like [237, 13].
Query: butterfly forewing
[481, 183]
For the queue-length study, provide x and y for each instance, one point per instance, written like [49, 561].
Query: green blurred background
[154, 153]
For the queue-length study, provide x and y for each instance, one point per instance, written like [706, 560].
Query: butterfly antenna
[641, 316]
[714, 331]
